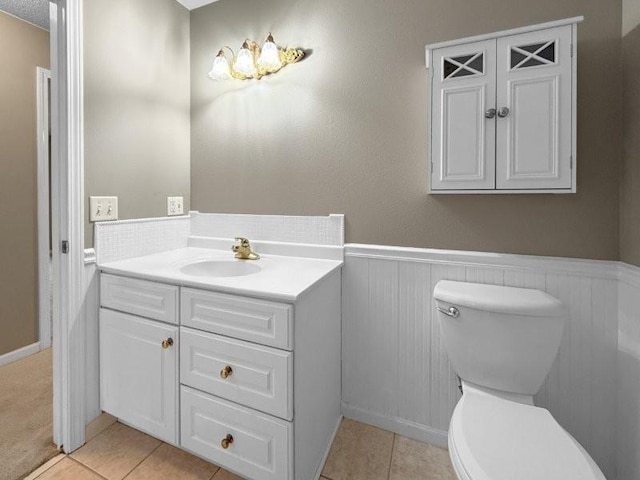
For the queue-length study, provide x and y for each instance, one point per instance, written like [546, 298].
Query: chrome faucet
[242, 249]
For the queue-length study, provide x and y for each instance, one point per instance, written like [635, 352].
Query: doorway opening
[26, 360]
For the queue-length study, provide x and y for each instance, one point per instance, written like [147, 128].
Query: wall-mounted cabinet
[503, 111]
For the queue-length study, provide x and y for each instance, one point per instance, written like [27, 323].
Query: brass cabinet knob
[226, 441]
[226, 372]
[167, 343]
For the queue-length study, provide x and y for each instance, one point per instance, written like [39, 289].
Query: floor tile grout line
[86, 466]
[142, 461]
[216, 472]
[396, 438]
[101, 433]
[393, 446]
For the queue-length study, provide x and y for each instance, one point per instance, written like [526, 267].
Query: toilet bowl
[502, 341]
[491, 438]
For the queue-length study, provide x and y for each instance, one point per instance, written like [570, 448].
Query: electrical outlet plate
[175, 206]
[103, 209]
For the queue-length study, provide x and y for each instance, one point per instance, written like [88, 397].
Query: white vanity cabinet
[250, 384]
[139, 356]
[503, 111]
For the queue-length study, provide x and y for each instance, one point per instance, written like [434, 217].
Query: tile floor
[359, 452]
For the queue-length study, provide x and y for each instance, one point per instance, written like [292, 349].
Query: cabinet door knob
[491, 113]
[226, 441]
[503, 112]
[167, 343]
[226, 372]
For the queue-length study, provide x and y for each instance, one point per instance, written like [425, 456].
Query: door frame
[67, 192]
[44, 268]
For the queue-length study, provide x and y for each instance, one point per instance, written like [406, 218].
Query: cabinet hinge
[571, 162]
[65, 246]
[571, 50]
[431, 167]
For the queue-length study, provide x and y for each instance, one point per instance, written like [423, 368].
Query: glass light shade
[244, 63]
[220, 69]
[270, 56]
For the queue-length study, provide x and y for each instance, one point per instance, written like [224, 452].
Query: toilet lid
[496, 439]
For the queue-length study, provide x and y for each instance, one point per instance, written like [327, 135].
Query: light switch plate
[175, 206]
[103, 209]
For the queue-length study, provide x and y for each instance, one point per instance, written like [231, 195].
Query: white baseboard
[397, 425]
[19, 353]
[326, 453]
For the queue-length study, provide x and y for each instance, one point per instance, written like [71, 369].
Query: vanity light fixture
[253, 61]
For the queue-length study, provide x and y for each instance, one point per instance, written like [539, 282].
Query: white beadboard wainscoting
[92, 367]
[628, 425]
[396, 373]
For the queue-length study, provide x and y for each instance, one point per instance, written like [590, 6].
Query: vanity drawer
[140, 297]
[256, 376]
[260, 321]
[262, 446]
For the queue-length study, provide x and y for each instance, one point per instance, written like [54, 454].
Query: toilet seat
[491, 438]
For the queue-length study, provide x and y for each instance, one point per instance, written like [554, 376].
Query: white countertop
[280, 278]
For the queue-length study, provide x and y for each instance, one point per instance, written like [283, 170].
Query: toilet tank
[504, 338]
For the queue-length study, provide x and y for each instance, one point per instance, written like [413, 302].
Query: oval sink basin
[221, 268]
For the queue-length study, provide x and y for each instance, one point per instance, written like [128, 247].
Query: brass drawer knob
[167, 343]
[226, 372]
[226, 441]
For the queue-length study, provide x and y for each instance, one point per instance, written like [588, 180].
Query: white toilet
[502, 341]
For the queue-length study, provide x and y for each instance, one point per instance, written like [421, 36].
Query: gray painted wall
[345, 131]
[630, 178]
[23, 48]
[136, 64]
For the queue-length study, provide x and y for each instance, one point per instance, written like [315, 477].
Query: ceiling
[191, 4]
[37, 11]
[33, 11]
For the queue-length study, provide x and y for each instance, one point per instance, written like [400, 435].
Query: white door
[463, 119]
[534, 145]
[138, 374]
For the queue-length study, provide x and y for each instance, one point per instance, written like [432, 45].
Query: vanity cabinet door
[463, 117]
[139, 373]
[534, 82]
